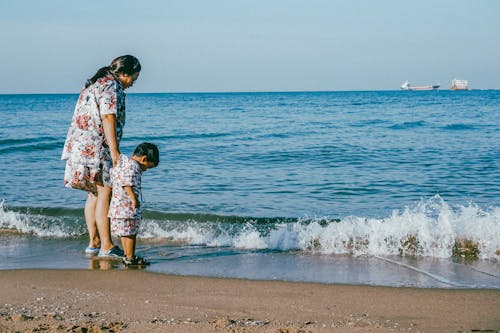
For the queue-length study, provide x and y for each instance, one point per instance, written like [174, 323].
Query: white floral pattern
[124, 218]
[87, 155]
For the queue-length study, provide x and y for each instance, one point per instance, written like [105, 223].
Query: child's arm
[132, 196]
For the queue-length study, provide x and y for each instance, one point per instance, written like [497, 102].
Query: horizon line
[244, 92]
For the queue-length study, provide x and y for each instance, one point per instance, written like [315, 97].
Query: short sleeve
[127, 176]
[108, 98]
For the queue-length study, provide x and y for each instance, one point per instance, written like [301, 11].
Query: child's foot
[135, 261]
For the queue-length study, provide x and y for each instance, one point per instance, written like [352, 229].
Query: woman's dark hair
[149, 150]
[126, 64]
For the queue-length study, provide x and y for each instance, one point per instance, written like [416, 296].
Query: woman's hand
[136, 203]
[115, 156]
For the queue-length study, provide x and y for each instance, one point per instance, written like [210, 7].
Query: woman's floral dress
[125, 219]
[86, 152]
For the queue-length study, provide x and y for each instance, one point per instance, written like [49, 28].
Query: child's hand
[133, 199]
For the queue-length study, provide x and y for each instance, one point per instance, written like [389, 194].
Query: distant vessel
[407, 86]
[459, 85]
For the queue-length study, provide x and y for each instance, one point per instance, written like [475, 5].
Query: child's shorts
[124, 227]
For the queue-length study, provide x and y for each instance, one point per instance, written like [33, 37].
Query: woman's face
[126, 80]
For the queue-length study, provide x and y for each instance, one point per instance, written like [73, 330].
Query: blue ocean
[391, 188]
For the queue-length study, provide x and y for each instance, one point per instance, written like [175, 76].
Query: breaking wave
[429, 228]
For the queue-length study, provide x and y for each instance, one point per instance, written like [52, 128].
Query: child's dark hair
[149, 150]
[126, 64]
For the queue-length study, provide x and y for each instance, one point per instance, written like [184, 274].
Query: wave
[429, 228]
[458, 127]
[30, 144]
[369, 122]
[408, 125]
[42, 222]
[188, 136]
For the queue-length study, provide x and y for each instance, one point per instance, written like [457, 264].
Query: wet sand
[139, 301]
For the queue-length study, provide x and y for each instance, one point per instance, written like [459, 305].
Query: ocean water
[377, 188]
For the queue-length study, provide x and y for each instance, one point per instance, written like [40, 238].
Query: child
[124, 211]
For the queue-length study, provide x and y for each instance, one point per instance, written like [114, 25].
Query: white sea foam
[250, 239]
[430, 228]
[33, 224]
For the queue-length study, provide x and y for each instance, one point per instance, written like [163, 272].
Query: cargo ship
[408, 86]
[459, 85]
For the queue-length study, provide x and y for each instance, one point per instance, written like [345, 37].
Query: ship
[459, 85]
[408, 86]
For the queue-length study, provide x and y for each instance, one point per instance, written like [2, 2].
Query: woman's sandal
[135, 261]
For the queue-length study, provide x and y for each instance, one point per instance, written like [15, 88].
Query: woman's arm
[109, 126]
[129, 190]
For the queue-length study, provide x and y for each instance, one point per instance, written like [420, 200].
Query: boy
[124, 211]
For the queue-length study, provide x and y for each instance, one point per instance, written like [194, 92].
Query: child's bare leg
[89, 213]
[128, 244]
[101, 216]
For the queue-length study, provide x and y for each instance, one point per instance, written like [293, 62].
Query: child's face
[147, 165]
[144, 163]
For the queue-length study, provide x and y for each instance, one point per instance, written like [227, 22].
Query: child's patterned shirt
[127, 173]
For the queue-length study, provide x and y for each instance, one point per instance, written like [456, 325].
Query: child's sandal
[135, 261]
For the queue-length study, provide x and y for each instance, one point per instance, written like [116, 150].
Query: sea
[384, 188]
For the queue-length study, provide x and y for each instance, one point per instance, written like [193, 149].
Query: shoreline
[62, 300]
[27, 252]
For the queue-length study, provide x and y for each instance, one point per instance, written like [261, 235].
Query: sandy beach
[139, 301]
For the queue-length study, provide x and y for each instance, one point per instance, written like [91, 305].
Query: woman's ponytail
[102, 72]
[126, 64]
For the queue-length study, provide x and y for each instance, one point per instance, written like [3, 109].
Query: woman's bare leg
[101, 215]
[89, 212]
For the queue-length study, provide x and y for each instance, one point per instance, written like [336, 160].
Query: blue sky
[53, 46]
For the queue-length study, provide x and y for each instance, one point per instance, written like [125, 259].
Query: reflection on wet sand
[104, 264]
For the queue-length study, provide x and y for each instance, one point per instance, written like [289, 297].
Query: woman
[92, 146]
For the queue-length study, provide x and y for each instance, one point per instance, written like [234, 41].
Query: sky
[54, 46]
